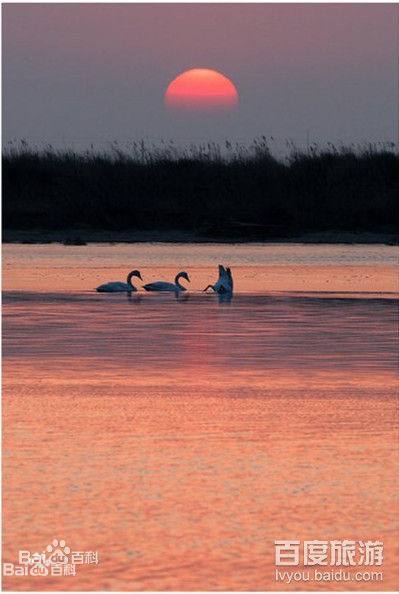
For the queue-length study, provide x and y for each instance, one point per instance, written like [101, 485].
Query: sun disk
[201, 88]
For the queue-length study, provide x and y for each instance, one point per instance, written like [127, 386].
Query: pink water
[180, 437]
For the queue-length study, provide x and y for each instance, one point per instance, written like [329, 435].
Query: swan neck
[129, 281]
[177, 277]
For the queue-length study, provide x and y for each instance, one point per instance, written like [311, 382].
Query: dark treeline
[235, 192]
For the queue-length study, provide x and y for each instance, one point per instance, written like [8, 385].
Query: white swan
[119, 287]
[164, 286]
[224, 284]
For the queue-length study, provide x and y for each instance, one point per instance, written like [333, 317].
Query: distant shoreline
[75, 237]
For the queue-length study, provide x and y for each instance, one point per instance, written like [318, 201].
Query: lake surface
[180, 438]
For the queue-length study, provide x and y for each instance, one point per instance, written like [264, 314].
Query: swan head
[183, 275]
[131, 274]
[134, 273]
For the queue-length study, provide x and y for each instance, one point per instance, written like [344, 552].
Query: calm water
[180, 437]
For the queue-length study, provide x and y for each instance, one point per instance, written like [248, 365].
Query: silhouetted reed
[229, 190]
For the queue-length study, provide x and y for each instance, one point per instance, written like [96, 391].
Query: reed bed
[230, 190]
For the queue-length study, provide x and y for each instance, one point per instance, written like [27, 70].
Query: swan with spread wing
[224, 284]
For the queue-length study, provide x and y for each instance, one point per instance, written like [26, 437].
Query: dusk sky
[95, 73]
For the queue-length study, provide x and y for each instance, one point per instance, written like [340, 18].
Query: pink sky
[83, 73]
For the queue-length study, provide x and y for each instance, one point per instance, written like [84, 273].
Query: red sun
[201, 88]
